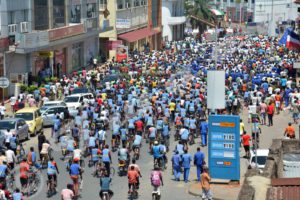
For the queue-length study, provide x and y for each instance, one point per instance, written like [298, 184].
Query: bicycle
[20, 153]
[133, 193]
[51, 185]
[33, 181]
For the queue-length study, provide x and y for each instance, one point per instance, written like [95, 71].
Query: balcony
[105, 26]
[176, 20]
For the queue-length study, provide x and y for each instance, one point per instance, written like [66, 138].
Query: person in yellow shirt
[172, 106]
[103, 96]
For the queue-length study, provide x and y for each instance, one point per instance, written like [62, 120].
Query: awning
[138, 34]
[217, 12]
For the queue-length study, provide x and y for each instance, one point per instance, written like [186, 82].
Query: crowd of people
[158, 97]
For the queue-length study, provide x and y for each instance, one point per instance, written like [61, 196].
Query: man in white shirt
[11, 158]
[2, 111]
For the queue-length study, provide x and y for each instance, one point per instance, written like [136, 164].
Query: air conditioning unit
[24, 27]
[12, 29]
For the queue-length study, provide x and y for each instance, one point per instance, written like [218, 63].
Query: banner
[122, 53]
[123, 23]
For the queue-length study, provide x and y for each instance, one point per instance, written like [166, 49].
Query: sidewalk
[219, 191]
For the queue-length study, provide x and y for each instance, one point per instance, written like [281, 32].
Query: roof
[29, 109]
[217, 12]
[138, 34]
[10, 119]
[284, 189]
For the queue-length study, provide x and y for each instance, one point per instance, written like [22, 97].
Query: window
[91, 10]
[11, 17]
[120, 4]
[103, 4]
[154, 13]
[41, 15]
[75, 13]
[137, 3]
[128, 3]
[58, 13]
[25, 15]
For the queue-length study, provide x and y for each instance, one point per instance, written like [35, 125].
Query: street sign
[4, 82]
[224, 147]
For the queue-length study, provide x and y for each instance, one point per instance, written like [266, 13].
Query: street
[171, 189]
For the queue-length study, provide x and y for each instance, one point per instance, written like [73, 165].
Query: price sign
[223, 147]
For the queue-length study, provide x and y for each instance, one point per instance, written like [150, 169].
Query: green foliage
[31, 88]
[23, 88]
[199, 9]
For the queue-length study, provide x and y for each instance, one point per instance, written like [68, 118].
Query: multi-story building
[132, 23]
[48, 36]
[173, 19]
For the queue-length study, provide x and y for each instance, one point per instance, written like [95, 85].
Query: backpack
[155, 180]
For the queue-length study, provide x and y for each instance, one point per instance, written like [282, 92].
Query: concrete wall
[273, 168]
[138, 15]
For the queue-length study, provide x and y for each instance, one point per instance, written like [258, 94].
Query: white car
[262, 155]
[76, 101]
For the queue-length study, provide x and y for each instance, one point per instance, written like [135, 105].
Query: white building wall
[172, 15]
[283, 10]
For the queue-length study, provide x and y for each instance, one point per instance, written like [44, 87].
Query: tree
[198, 9]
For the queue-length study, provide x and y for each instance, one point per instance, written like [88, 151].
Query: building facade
[48, 37]
[173, 20]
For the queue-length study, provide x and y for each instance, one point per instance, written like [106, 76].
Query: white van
[76, 101]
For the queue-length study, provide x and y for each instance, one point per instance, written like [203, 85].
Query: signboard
[224, 147]
[122, 52]
[68, 31]
[216, 89]
[123, 23]
[4, 82]
[33, 39]
[113, 45]
[46, 54]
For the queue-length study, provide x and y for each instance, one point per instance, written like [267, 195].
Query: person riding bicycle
[67, 194]
[106, 158]
[95, 156]
[156, 180]
[123, 133]
[184, 135]
[52, 171]
[152, 136]
[105, 186]
[137, 142]
[123, 155]
[24, 169]
[101, 138]
[157, 152]
[4, 171]
[132, 176]
[115, 134]
[74, 172]
[45, 151]
[166, 134]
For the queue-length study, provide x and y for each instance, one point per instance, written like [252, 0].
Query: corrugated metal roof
[283, 193]
[284, 189]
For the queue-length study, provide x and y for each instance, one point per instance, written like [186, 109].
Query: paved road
[171, 190]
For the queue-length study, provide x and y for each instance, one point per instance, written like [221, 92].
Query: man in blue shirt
[199, 162]
[203, 132]
[176, 162]
[105, 185]
[186, 160]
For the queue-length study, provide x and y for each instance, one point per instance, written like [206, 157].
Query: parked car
[81, 90]
[48, 104]
[33, 118]
[49, 113]
[16, 125]
[262, 155]
[75, 101]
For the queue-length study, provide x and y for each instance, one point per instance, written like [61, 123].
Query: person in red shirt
[246, 143]
[270, 111]
[139, 126]
[133, 176]
[24, 168]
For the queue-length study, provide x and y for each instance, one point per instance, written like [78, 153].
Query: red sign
[64, 32]
[113, 45]
[4, 42]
